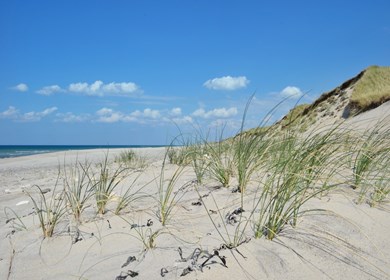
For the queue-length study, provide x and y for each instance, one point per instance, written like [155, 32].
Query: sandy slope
[347, 241]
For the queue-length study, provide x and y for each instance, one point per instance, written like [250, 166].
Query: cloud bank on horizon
[222, 115]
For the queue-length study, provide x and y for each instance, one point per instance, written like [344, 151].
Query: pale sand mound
[349, 241]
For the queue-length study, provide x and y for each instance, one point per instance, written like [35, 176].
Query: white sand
[349, 241]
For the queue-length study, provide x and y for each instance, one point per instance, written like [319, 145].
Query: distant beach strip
[10, 151]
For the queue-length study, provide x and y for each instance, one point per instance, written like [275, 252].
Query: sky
[129, 72]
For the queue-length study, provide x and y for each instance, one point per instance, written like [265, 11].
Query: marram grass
[373, 88]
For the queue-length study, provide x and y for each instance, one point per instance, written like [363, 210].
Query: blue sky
[125, 72]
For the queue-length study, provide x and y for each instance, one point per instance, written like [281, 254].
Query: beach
[194, 140]
[344, 240]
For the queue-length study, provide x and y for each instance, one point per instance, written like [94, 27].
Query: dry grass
[372, 89]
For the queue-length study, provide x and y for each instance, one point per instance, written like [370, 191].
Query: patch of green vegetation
[372, 89]
[130, 159]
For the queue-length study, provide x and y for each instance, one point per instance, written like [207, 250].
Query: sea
[10, 151]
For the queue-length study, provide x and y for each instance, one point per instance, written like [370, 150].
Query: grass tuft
[49, 210]
[105, 183]
[130, 159]
[78, 188]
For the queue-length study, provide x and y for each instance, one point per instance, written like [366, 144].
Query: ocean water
[9, 151]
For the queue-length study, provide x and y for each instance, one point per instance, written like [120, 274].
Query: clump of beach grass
[49, 210]
[248, 152]
[132, 160]
[167, 197]
[370, 164]
[300, 170]
[78, 188]
[199, 159]
[381, 188]
[106, 182]
[220, 157]
[179, 155]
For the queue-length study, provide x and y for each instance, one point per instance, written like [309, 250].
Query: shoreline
[68, 156]
[12, 151]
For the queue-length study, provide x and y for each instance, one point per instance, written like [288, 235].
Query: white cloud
[48, 111]
[120, 87]
[99, 88]
[104, 112]
[108, 115]
[182, 120]
[215, 113]
[153, 114]
[175, 112]
[10, 113]
[146, 113]
[13, 113]
[20, 87]
[292, 92]
[49, 90]
[36, 116]
[78, 87]
[70, 117]
[227, 83]
[114, 117]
